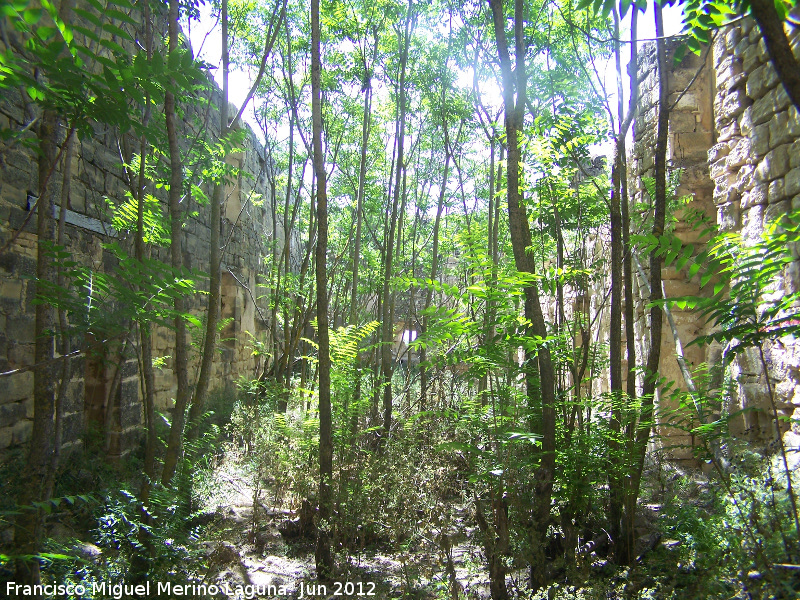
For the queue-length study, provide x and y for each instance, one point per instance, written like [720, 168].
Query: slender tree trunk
[616, 474]
[324, 557]
[544, 393]
[626, 544]
[645, 424]
[215, 254]
[181, 360]
[28, 525]
[424, 376]
[145, 340]
[362, 176]
[388, 329]
[63, 333]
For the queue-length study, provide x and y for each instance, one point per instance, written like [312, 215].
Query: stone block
[682, 122]
[757, 196]
[777, 191]
[131, 416]
[11, 289]
[728, 216]
[749, 54]
[752, 223]
[759, 140]
[732, 37]
[11, 413]
[6, 437]
[21, 330]
[764, 108]
[73, 427]
[733, 104]
[719, 170]
[719, 51]
[22, 431]
[774, 164]
[784, 128]
[21, 354]
[73, 400]
[761, 81]
[794, 154]
[689, 101]
[775, 211]
[745, 120]
[792, 182]
[728, 68]
[740, 153]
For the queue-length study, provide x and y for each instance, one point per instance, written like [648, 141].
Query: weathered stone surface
[761, 81]
[774, 164]
[6, 437]
[765, 107]
[792, 182]
[729, 68]
[756, 196]
[784, 127]
[794, 154]
[759, 139]
[740, 153]
[22, 431]
[11, 413]
[732, 37]
[777, 191]
[753, 223]
[728, 216]
[750, 55]
[775, 211]
[718, 151]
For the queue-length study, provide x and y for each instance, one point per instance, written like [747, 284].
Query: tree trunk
[30, 521]
[645, 424]
[324, 557]
[424, 376]
[778, 47]
[41, 462]
[388, 329]
[181, 360]
[521, 242]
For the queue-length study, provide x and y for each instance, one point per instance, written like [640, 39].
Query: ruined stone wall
[690, 134]
[734, 141]
[755, 165]
[96, 177]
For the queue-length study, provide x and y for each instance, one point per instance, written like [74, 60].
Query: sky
[205, 38]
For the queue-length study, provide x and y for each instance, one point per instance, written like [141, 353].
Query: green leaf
[32, 15]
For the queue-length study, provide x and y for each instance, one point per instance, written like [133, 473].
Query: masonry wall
[734, 141]
[755, 165]
[95, 178]
[690, 134]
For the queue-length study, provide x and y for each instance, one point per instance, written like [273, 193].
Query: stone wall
[96, 177]
[755, 165]
[690, 134]
[734, 140]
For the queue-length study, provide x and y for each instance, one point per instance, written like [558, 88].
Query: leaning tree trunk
[786, 65]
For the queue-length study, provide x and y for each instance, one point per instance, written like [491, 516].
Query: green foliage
[102, 302]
